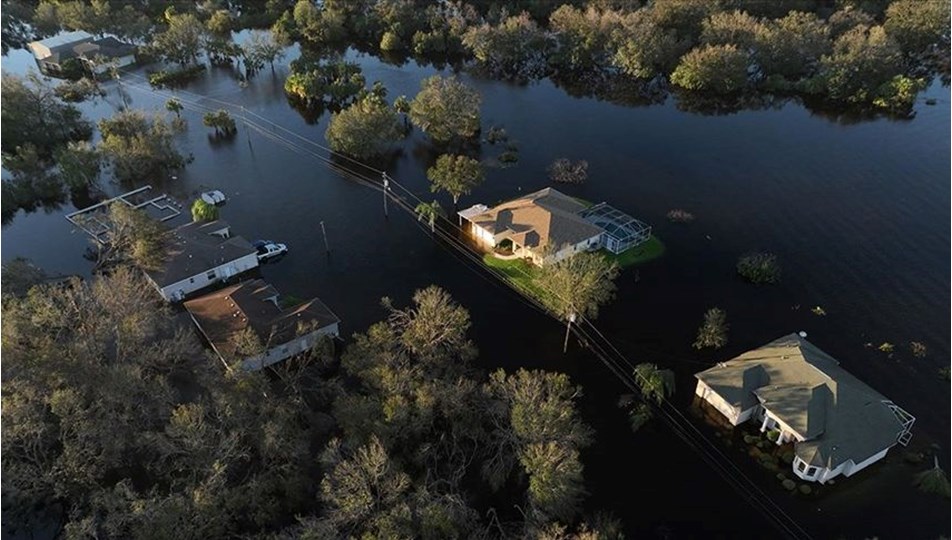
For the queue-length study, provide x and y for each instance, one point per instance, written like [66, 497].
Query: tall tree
[713, 331]
[720, 69]
[138, 147]
[916, 25]
[31, 113]
[181, 42]
[263, 47]
[456, 175]
[578, 285]
[430, 212]
[365, 129]
[446, 109]
[79, 164]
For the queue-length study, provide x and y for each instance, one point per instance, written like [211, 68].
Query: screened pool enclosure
[621, 230]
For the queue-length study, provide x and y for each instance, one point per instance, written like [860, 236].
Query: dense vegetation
[118, 424]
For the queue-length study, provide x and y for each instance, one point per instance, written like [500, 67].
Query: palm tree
[430, 212]
[655, 383]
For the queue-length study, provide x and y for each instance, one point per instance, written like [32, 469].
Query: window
[812, 471]
[801, 466]
[191, 280]
[211, 275]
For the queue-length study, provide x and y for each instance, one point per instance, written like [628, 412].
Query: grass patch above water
[518, 272]
[640, 254]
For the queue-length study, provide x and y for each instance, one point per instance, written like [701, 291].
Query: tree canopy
[365, 129]
[578, 285]
[137, 146]
[456, 175]
[446, 109]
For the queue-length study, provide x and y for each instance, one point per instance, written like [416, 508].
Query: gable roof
[60, 40]
[254, 304]
[537, 220]
[196, 248]
[840, 416]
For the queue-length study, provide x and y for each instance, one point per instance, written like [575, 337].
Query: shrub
[773, 435]
[805, 489]
[680, 216]
[175, 76]
[508, 157]
[202, 211]
[789, 485]
[391, 42]
[886, 347]
[713, 331]
[918, 349]
[563, 171]
[759, 268]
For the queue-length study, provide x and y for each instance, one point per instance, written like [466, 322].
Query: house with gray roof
[548, 226]
[200, 254]
[98, 55]
[836, 423]
[249, 328]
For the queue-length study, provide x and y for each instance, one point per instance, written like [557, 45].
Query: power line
[593, 339]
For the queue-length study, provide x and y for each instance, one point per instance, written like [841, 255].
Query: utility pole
[386, 187]
[568, 327]
[327, 246]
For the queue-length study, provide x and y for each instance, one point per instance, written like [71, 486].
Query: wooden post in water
[568, 328]
[386, 186]
[327, 247]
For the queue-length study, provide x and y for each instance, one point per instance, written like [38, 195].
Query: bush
[918, 349]
[781, 476]
[203, 211]
[789, 485]
[563, 171]
[759, 268]
[805, 489]
[391, 42]
[176, 76]
[787, 458]
[713, 331]
[508, 157]
[773, 435]
[680, 216]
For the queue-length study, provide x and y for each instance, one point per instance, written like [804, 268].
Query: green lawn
[650, 250]
[518, 272]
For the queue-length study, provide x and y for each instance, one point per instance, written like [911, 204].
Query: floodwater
[857, 212]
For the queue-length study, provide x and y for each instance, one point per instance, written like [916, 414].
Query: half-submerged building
[249, 329]
[837, 424]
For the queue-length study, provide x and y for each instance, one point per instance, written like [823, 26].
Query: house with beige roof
[248, 328]
[836, 423]
[548, 226]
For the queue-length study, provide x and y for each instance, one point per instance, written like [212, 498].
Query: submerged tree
[365, 129]
[446, 109]
[456, 175]
[759, 267]
[79, 164]
[720, 69]
[430, 212]
[138, 147]
[713, 331]
[203, 211]
[221, 121]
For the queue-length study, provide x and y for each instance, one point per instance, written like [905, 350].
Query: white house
[98, 55]
[226, 317]
[548, 226]
[837, 424]
[201, 254]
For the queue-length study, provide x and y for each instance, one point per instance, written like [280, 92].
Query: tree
[203, 211]
[732, 28]
[32, 179]
[181, 42]
[365, 129]
[563, 171]
[138, 147]
[173, 105]
[223, 123]
[534, 422]
[46, 18]
[316, 25]
[79, 164]
[863, 59]
[582, 37]
[456, 175]
[578, 285]
[19, 275]
[133, 236]
[847, 18]
[263, 47]
[313, 80]
[220, 23]
[916, 25]
[720, 69]
[656, 384]
[446, 109]
[430, 212]
[515, 48]
[759, 267]
[713, 332]
[644, 49]
[683, 16]
[793, 45]
[31, 113]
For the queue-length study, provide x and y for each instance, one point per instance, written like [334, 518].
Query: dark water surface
[858, 215]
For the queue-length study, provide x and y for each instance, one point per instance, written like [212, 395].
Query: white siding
[284, 351]
[847, 468]
[733, 414]
[177, 291]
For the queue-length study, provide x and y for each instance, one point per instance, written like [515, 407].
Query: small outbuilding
[836, 423]
[97, 55]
